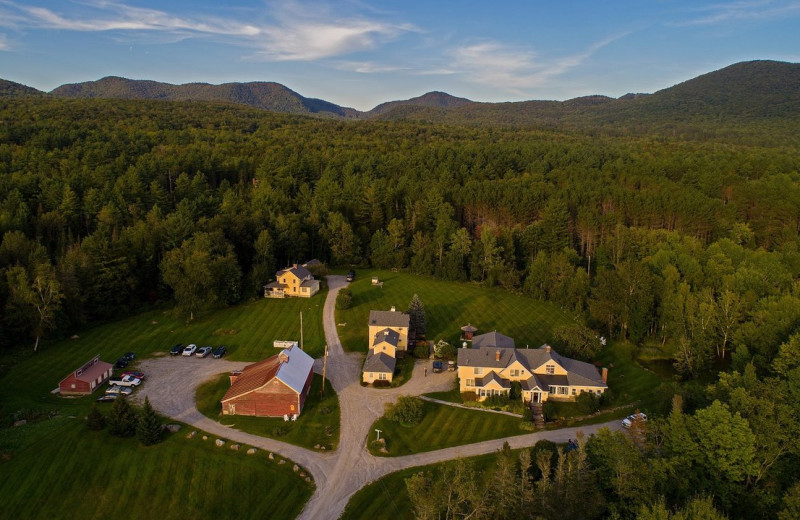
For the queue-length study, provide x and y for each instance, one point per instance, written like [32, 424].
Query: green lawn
[71, 471]
[448, 307]
[317, 425]
[442, 427]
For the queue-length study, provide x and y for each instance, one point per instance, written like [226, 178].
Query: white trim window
[470, 383]
[478, 371]
[382, 376]
[550, 369]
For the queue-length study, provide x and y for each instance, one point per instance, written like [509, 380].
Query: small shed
[467, 331]
[84, 380]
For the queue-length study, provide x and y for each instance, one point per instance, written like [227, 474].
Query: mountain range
[750, 90]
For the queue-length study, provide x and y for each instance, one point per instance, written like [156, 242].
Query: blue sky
[360, 53]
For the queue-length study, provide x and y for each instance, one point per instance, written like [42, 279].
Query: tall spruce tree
[122, 421]
[95, 420]
[416, 312]
[149, 429]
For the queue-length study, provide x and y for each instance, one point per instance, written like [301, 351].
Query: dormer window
[550, 369]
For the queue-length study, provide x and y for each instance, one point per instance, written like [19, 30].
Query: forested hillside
[686, 247]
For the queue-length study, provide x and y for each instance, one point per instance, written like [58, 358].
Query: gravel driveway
[171, 385]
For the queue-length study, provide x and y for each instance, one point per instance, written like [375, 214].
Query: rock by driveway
[171, 385]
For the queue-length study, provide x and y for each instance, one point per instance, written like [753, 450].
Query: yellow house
[388, 333]
[292, 281]
[542, 373]
[393, 320]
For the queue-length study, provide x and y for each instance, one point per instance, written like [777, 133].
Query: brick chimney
[547, 348]
[234, 376]
[497, 355]
[605, 375]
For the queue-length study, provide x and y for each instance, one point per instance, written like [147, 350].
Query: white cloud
[514, 69]
[743, 10]
[294, 33]
[367, 67]
[4, 46]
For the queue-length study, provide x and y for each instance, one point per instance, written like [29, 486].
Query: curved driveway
[337, 474]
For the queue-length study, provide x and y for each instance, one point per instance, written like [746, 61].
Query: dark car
[176, 350]
[107, 398]
[122, 362]
[437, 367]
[130, 356]
[351, 276]
[220, 351]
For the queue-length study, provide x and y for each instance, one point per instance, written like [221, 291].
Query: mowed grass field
[74, 472]
[57, 465]
[317, 425]
[442, 427]
[448, 307]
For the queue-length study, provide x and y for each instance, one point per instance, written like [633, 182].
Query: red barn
[88, 377]
[275, 387]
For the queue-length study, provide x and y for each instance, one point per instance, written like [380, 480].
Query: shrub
[587, 403]
[469, 396]
[344, 300]
[95, 420]
[496, 401]
[549, 410]
[444, 350]
[407, 410]
[421, 351]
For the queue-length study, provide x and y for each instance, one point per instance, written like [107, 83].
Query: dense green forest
[686, 247]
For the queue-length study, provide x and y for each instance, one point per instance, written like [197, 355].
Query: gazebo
[467, 331]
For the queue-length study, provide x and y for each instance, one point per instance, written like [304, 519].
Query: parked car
[437, 367]
[176, 349]
[107, 398]
[220, 351]
[190, 349]
[351, 276]
[451, 366]
[119, 390]
[628, 421]
[133, 373]
[122, 363]
[130, 356]
[125, 381]
[203, 352]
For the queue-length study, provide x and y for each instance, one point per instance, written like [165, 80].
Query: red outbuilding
[88, 377]
[275, 387]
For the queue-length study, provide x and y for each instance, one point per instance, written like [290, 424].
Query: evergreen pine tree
[149, 429]
[95, 420]
[122, 421]
[416, 312]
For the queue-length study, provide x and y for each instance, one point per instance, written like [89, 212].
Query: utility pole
[324, 367]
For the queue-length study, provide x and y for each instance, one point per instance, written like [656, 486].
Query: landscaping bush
[515, 392]
[344, 300]
[496, 401]
[549, 410]
[587, 403]
[469, 397]
[95, 420]
[407, 410]
[421, 351]
[444, 350]
[380, 383]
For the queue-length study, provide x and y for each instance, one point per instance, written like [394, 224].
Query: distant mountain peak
[434, 99]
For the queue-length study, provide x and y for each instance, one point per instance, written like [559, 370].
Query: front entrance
[537, 397]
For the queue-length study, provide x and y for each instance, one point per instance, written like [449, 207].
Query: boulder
[235, 447]
[172, 428]
[219, 442]
[271, 456]
[252, 451]
[191, 434]
[295, 468]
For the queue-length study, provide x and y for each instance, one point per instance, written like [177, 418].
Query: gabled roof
[388, 335]
[380, 362]
[492, 377]
[291, 366]
[298, 270]
[91, 370]
[389, 319]
[492, 339]
[579, 373]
